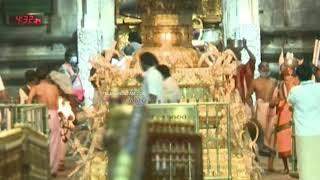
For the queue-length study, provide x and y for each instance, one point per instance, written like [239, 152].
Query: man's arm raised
[252, 59]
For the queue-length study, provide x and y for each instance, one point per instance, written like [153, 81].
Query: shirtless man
[47, 93]
[266, 92]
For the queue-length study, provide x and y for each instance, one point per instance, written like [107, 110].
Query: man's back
[152, 84]
[46, 93]
[305, 99]
[264, 88]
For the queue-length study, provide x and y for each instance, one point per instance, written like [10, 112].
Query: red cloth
[244, 78]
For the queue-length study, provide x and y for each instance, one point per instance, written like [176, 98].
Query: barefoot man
[47, 93]
[266, 92]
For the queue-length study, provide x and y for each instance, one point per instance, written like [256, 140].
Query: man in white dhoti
[266, 92]
[304, 100]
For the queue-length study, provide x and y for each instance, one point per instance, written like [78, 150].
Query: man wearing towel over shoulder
[305, 101]
[47, 93]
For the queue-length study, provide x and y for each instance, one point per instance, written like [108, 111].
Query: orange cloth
[284, 136]
[284, 140]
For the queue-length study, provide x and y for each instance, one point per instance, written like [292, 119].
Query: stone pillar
[241, 20]
[96, 28]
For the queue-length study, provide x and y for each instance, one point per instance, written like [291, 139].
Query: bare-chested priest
[266, 92]
[47, 93]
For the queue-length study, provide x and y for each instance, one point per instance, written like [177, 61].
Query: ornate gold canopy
[210, 11]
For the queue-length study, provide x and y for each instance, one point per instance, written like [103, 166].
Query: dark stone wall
[289, 24]
[24, 48]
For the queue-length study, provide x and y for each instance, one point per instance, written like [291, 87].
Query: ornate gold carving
[167, 6]
[210, 11]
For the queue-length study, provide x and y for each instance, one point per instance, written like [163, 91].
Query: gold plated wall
[211, 11]
[167, 22]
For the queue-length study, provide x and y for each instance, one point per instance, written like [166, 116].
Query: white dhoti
[54, 140]
[308, 148]
[267, 117]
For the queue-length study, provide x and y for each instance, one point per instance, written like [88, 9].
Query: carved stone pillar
[241, 20]
[95, 33]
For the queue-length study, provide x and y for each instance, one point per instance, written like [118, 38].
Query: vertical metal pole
[170, 161]
[229, 143]
[22, 114]
[189, 161]
[217, 138]
[207, 138]
[45, 120]
[8, 116]
[196, 117]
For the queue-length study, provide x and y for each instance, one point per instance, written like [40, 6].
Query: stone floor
[277, 175]
[266, 175]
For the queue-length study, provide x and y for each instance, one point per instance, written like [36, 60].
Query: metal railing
[217, 151]
[217, 144]
[32, 115]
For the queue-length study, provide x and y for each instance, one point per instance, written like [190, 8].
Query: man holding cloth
[47, 93]
[305, 101]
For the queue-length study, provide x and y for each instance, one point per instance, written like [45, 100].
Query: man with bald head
[265, 89]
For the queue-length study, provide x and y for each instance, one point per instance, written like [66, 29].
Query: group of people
[279, 103]
[294, 98]
[55, 88]
[157, 84]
